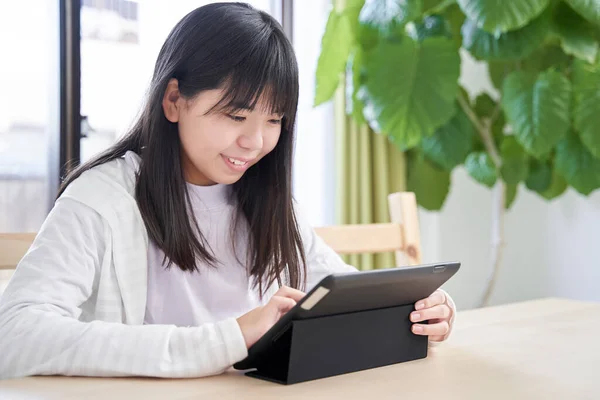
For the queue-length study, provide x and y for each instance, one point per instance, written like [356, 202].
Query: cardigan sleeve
[45, 330]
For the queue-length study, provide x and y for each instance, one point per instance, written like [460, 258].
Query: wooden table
[542, 349]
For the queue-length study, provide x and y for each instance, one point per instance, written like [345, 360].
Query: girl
[172, 252]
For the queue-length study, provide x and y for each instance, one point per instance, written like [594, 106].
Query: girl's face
[218, 147]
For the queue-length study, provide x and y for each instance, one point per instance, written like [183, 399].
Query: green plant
[539, 129]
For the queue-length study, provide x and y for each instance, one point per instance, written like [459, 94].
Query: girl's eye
[236, 118]
[275, 121]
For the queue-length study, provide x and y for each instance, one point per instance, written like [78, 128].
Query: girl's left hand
[436, 309]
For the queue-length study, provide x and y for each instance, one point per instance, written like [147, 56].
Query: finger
[282, 304]
[441, 311]
[294, 294]
[437, 297]
[437, 338]
[438, 329]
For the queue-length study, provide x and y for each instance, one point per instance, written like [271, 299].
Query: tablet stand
[326, 346]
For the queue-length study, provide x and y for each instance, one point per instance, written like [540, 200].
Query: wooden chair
[13, 247]
[401, 236]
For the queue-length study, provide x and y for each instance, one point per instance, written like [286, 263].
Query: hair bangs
[267, 78]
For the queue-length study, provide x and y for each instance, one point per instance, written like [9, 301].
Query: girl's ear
[172, 101]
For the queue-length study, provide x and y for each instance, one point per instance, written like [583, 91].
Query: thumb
[281, 305]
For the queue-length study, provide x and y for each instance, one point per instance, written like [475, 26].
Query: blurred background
[394, 95]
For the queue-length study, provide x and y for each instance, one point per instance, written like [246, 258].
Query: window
[115, 20]
[28, 110]
[28, 113]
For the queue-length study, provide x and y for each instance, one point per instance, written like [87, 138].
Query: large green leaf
[354, 79]
[498, 16]
[430, 26]
[540, 176]
[537, 109]
[335, 48]
[451, 143]
[575, 33]
[367, 37]
[511, 194]
[429, 183]
[515, 165]
[498, 129]
[411, 87]
[586, 88]
[353, 8]
[455, 18]
[544, 180]
[388, 15]
[512, 45]
[498, 71]
[481, 168]
[484, 105]
[577, 165]
[436, 6]
[540, 60]
[590, 9]
[550, 55]
[558, 185]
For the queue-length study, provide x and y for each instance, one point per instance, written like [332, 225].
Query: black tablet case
[332, 345]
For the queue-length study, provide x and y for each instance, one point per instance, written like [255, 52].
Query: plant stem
[495, 114]
[483, 130]
[499, 195]
[497, 245]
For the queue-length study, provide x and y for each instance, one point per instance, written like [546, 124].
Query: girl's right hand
[257, 322]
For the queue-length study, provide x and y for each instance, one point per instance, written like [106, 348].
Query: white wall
[314, 163]
[573, 246]
[552, 248]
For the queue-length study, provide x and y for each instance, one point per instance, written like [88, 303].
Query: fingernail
[420, 305]
[416, 316]
[417, 328]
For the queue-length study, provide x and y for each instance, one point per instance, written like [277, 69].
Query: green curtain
[368, 168]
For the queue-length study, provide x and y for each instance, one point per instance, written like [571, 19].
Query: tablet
[357, 291]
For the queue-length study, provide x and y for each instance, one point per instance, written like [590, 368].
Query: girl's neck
[209, 197]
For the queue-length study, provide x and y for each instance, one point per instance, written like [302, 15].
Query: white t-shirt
[185, 298]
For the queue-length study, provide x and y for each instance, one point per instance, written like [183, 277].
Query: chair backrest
[402, 235]
[13, 247]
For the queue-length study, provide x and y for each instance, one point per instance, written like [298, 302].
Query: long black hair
[245, 52]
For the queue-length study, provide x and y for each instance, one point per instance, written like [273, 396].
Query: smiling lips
[237, 164]
[236, 161]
